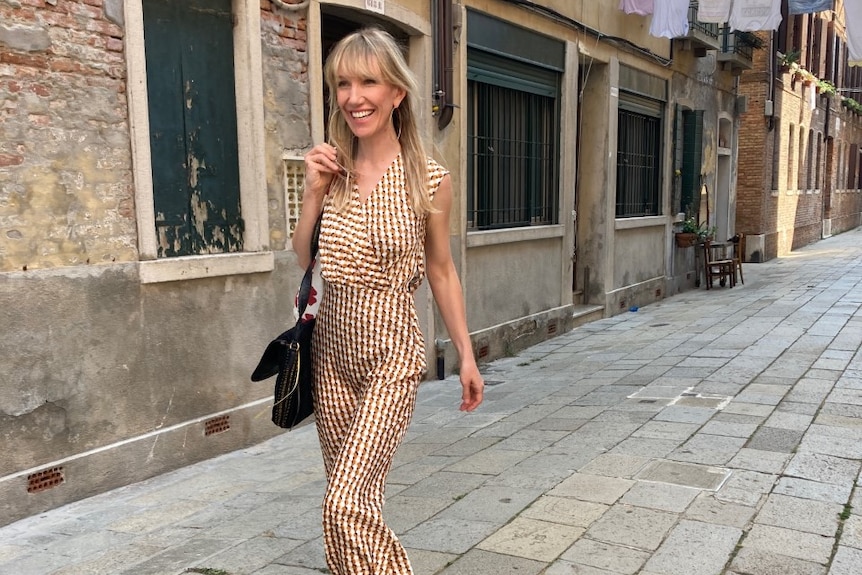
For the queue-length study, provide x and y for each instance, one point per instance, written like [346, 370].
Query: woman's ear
[400, 94]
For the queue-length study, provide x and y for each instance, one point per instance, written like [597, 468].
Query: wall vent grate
[552, 328]
[483, 351]
[293, 181]
[218, 424]
[44, 480]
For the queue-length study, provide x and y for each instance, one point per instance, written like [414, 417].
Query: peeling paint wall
[109, 375]
[66, 194]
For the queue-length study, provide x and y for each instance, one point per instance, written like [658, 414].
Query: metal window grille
[293, 182]
[638, 161]
[512, 146]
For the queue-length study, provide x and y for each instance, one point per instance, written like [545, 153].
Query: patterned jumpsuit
[369, 356]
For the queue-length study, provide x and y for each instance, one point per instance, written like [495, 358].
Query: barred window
[512, 147]
[513, 130]
[638, 163]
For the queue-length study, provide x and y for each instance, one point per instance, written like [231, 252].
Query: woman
[385, 225]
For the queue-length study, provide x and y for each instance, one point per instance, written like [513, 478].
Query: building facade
[151, 173]
[799, 168]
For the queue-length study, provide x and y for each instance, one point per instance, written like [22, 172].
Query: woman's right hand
[321, 166]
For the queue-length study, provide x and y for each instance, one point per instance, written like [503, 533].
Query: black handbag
[289, 357]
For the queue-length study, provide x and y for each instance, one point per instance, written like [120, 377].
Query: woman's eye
[369, 81]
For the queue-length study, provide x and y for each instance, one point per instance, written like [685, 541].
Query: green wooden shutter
[692, 159]
[193, 127]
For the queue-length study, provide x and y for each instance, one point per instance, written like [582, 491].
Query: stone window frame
[248, 79]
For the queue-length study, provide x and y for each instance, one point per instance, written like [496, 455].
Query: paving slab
[609, 558]
[633, 527]
[800, 514]
[753, 560]
[695, 548]
[532, 539]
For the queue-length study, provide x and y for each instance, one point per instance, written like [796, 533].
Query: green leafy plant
[852, 105]
[690, 225]
[791, 57]
[826, 88]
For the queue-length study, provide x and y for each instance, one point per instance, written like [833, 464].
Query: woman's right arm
[320, 168]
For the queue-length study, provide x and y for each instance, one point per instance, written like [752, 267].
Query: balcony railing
[701, 35]
[737, 48]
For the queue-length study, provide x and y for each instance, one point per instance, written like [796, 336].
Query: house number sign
[375, 5]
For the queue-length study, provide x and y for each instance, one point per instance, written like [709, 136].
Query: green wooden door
[193, 126]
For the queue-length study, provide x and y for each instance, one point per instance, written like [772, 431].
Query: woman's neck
[377, 150]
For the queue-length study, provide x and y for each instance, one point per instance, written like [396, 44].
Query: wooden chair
[738, 255]
[717, 267]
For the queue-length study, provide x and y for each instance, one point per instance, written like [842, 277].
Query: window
[640, 114]
[638, 158]
[513, 125]
[818, 182]
[791, 157]
[193, 142]
[214, 209]
[692, 160]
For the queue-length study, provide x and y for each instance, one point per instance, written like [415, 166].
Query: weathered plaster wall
[286, 105]
[66, 195]
[114, 378]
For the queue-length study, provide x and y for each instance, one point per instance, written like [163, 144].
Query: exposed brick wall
[66, 194]
[779, 193]
[287, 114]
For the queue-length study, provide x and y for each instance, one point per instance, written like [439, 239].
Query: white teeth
[361, 114]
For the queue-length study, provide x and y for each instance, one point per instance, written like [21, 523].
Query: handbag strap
[305, 286]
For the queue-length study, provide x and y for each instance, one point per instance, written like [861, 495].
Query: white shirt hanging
[669, 19]
[640, 7]
[752, 15]
[853, 20]
[714, 11]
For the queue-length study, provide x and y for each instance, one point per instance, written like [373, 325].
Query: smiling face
[366, 101]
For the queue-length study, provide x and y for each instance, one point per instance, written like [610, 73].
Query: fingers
[323, 159]
[472, 394]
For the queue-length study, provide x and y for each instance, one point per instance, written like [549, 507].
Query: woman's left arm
[446, 287]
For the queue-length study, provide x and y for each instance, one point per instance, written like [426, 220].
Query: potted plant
[691, 232]
[688, 233]
[826, 88]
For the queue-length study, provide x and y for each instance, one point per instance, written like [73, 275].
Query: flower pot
[685, 239]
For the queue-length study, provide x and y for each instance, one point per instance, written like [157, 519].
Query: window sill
[641, 222]
[511, 235]
[197, 267]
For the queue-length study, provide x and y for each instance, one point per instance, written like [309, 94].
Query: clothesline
[670, 18]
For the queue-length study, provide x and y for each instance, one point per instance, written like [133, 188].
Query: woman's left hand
[473, 387]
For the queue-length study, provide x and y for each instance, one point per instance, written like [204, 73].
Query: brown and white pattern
[369, 356]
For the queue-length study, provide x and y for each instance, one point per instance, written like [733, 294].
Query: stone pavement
[714, 432]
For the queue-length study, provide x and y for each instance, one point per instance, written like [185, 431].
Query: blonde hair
[356, 54]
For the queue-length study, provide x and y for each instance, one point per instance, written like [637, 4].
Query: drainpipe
[444, 106]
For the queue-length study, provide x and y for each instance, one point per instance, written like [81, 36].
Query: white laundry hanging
[752, 15]
[640, 7]
[669, 19]
[713, 11]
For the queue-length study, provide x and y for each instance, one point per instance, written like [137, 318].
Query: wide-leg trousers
[363, 406]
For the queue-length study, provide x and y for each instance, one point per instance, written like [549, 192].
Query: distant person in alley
[385, 224]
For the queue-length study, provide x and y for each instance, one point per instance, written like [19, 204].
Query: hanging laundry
[669, 19]
[640, 7]
[714, 11]
[853, 20]
[809, 6]
[752, 15]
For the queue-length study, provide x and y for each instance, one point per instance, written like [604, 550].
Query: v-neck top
[378, 243]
